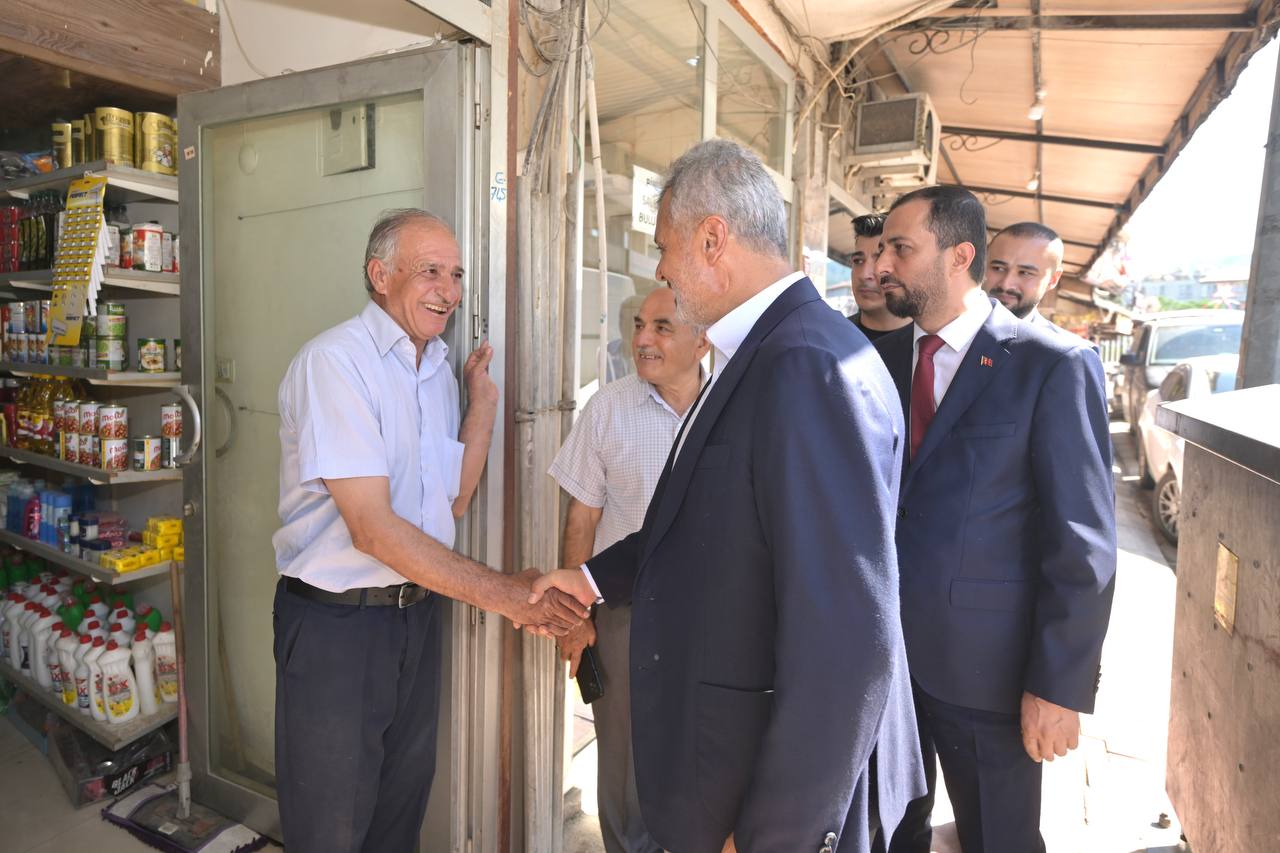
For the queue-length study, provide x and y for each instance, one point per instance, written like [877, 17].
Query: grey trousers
[620, 821]
[357, 701]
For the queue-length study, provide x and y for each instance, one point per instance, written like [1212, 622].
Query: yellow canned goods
[113, 129]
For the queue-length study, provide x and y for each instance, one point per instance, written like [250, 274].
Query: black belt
[401, 595]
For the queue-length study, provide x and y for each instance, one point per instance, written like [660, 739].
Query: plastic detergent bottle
[40, 647]
[30, 612]
[120, 683]
[144, 667]
[82, 674]
[97, 706]
[126, 621]
[51, 659]
[49, 597]
[66, 646]
[150, 617]
[8, 613]
[98, 607]
[119, 636]
[94, 629]
[165, 645]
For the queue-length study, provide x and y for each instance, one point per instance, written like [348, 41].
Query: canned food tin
[146, 453]
[110, 354]
[151, 355]
[22, 346]
[126, 250]
[31, 315]
[113, 130]
[170, 450]
[71, 446]
[46, 308]
[113, 320]
[65, 356]
[148, 247]
[115, 454]
[60, 414]
[156, 143]
[113, 422]
[62, 144]
[18, 318]
[171, 420]
[90, 450]
[90, 139]
[77, 356]
[177, 354]
[77, 142]
[37, 349]
[89, 417]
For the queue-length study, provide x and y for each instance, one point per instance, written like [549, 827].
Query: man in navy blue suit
[1006, 526]
[767, 659]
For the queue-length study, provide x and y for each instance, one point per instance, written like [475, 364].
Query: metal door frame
[446, 74]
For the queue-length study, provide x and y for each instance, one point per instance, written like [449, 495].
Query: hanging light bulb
[1036, 112]
[1034, 183]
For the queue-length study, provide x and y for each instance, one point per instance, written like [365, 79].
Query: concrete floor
[1105, 797]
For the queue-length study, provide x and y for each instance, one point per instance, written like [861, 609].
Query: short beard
[913, 302]
[690, 313]
[1020, 309]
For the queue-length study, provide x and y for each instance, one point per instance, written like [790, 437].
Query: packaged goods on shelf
[90, 772]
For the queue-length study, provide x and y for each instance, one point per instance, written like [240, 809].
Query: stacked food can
[148, 141]
[112, 327]
[170, 434]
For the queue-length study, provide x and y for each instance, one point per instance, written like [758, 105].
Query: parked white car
[1160, 451]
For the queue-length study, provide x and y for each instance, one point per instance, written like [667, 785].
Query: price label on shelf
[77, 267]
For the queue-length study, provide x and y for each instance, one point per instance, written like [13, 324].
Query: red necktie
[922, 408]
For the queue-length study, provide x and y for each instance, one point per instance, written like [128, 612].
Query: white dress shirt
[726, 336]
[957, 336]
[355, 403]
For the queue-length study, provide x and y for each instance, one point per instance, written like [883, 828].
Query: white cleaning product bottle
[82, 677]
[97, 705]
[40, 648]
[165, 645]
[21, 656]
[66, 646]
[144, 667]
[119, 636]
[94, 629]
[9, 627]
[51, 659]
[120, 683]
[126, 621]
[99, 608]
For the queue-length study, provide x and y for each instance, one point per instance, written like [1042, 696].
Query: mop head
[151, 815]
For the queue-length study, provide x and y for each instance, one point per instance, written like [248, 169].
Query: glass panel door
[290, 175]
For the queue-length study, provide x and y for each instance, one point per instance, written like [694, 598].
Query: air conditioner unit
[898, 132]
[904, 178]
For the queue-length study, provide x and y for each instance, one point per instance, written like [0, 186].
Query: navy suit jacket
[767, 658]
[1006, 527]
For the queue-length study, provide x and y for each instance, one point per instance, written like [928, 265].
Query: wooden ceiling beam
[161, 46]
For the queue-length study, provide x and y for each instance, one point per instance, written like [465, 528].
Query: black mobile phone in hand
[590, 684]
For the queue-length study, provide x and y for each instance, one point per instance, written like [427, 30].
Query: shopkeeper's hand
[475, 373]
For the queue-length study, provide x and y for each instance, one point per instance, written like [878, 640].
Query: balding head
[665, 348]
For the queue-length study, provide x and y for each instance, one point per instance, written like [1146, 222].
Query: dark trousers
[357, 702]
[993, 784]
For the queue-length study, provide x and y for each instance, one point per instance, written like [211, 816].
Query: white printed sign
[646, 188]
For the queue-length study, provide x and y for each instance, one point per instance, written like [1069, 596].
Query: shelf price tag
[77, 267]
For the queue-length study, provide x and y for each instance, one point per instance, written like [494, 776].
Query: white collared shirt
[727, 334]
[355, 402]
[615, 453]
[957, 336]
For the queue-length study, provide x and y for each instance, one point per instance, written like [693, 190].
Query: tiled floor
[38, 818]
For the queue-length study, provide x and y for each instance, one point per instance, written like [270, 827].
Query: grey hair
[383, 235]
[722, 178]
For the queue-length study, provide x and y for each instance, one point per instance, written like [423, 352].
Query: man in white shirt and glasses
[767, 660]
[375, 469]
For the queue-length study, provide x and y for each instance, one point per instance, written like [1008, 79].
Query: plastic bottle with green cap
[150, 617]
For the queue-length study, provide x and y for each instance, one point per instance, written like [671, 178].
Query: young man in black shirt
[873, 318]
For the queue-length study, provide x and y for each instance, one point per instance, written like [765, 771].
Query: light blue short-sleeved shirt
[354, 404]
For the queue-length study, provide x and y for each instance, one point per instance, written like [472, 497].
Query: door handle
[184, 391]
[221, 450]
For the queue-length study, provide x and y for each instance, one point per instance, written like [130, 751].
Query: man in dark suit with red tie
[1006, 526]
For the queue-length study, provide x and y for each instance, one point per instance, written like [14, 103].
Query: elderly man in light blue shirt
[375, 468]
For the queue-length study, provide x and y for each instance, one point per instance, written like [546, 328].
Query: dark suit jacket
[1006, 527]
[766, 649]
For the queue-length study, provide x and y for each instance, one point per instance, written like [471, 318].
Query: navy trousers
[357, 705]
[993, 784]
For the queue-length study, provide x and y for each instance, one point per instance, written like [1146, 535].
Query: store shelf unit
[128, 184]
[111, 735]
[88, 472]
[95, 375]
[117, 283]
[81, 567]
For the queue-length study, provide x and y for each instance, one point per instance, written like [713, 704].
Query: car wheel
[1145, 479]
[1166, 501]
